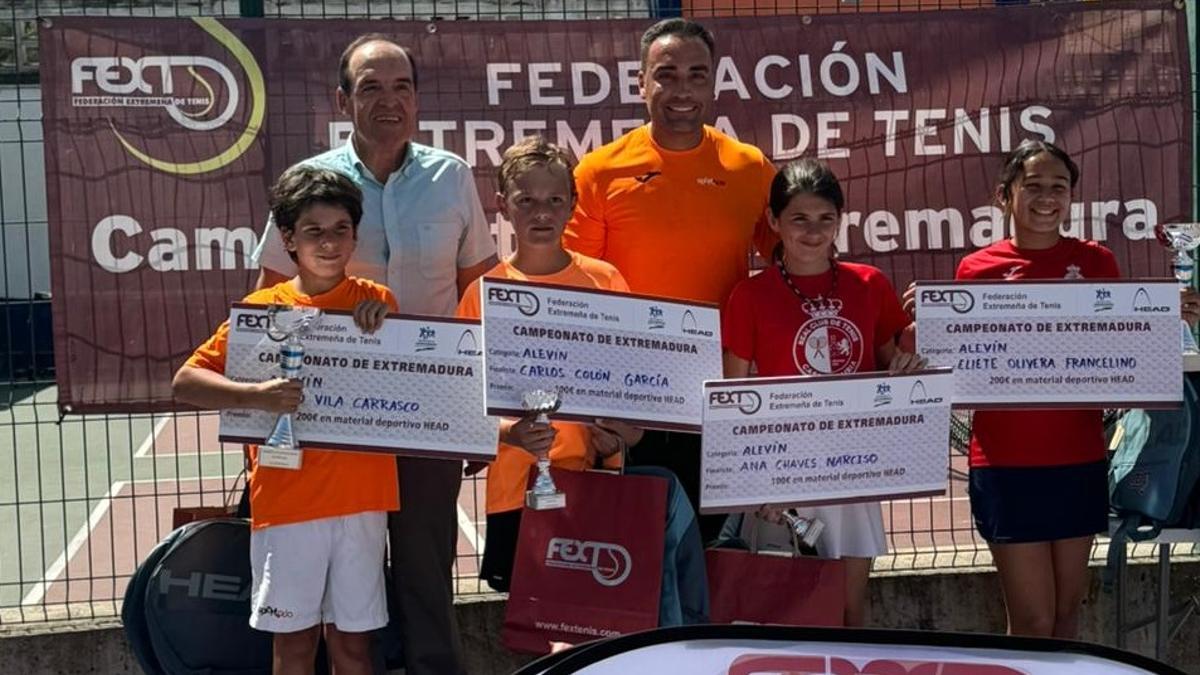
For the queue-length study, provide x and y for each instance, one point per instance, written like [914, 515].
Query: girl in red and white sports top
[811, 314]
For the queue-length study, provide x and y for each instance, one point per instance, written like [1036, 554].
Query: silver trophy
[287, 325]
[545, 494]
[807, 530]
[1182, 239]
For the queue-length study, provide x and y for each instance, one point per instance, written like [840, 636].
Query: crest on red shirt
[827, 344]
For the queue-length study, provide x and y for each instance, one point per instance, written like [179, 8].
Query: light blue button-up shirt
[418, 228]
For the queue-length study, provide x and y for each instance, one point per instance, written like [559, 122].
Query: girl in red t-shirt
[810, 314]
[1038, 483]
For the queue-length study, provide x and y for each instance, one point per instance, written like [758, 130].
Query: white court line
[153, 436]
[59, 565]
[174, 479]
[927, 500]
[207, 453]
[468, 529]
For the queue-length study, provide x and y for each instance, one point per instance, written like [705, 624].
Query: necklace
[820, 301]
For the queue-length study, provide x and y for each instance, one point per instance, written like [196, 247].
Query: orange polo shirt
[508, 475]
[677, 224]
[328, 483]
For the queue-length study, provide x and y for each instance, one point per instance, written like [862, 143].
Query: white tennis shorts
[320, 571]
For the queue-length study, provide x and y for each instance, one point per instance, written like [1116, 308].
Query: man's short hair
[344, 82]
[681, 28]
[529, 152]
[301, 187]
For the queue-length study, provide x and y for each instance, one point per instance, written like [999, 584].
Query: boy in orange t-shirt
[537, 194]
[318, 531]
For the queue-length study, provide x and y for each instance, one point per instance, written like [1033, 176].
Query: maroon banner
[162, 136]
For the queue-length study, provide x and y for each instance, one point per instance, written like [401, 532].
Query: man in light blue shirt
[423, 233]
[423, 230]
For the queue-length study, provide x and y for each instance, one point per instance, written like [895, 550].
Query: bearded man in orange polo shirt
[674, 205]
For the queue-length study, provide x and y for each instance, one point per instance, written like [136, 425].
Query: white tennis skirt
[851, 531]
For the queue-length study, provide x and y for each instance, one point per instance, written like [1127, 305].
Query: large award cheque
[824, 440]
[1054, 344]
[604, 354]
[414, 387]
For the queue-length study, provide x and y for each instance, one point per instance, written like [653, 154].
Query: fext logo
[958, 300]
[745, 400]
[609, 564]
[526, 302]
[159, 82]
[124, 79]
[774, 664]
[256, 323]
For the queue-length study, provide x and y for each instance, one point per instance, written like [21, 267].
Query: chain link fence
[84, 497]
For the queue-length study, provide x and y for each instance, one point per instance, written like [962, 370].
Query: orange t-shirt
[676, 224]
[508, 475]
[329, 483]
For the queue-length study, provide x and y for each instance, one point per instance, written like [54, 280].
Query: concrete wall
[961, 601]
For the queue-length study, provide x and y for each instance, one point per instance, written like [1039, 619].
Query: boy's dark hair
[1014, 164]
[344, 82]
[681, 28]
[805, 176]
[529, 152]
[303, 186]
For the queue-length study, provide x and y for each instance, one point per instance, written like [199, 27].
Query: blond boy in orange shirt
[537, 195]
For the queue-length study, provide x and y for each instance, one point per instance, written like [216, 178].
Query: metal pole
[1121, 590]
[251, 9]
[1163, 627]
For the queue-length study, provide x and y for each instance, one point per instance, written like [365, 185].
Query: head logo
[1103, 301]
[1073, 272]
[252, 322]
[1141, 303]
[688, 325]
[467, 345]
[205, 585]
[746, 400]
[525, 302]
[961, 301]
[656, 321]
[918, 396]
[883, 394]
[158, 81]
[427, 339]
[609, 564]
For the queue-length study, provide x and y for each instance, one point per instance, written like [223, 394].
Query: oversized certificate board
[415, 387]
[824, 440]
[635, 358]
[1057, 344]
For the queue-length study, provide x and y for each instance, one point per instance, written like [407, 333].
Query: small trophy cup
[545, 494]
[807, 530]
[280, 450]
[1181, 239]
